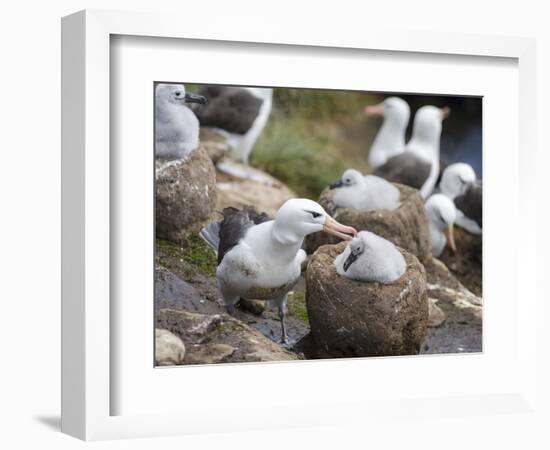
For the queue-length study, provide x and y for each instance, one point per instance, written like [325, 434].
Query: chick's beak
[337, 229]
[449, 234]
[195, 98]
[374, 110]
[336, 184]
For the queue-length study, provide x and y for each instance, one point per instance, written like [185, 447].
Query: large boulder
[169, 349]
[406, 226]
[219, 338]
[354, 318]
[239, 185]
[467, 263]
[185, 195]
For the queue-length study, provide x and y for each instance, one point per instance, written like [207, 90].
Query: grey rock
[354, 318]
[462, 330]
[172, 292]
[436, 314]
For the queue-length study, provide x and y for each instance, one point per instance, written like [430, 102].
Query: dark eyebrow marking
[313, 213]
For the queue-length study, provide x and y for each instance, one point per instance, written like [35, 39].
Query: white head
[456, 178]
[175, 94]
[349, 178]
[394, 110]
[427, 123]
[441, 213]
[299, 217]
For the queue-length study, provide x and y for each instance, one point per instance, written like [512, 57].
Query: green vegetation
[312, 136]
[297, 306]
[192, 256]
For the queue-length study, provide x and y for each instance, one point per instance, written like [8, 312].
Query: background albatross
[176, 127]
[260, 258]
[238, 113]
[418, 165]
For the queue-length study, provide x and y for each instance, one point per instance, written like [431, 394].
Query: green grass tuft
[297, 306]
[194, 254]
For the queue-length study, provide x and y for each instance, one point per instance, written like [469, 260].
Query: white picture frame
[88, 328]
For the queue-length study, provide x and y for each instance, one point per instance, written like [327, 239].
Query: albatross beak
[449, 234]
[445, 112]
[337, 229]
[374, 110]
[336, 184]
[349, 261]
[195, 98]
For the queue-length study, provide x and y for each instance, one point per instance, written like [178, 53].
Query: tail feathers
[211, 235]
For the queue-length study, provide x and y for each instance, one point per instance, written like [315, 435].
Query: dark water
[461, 138]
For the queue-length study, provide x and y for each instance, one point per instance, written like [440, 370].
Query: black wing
[234, 225]
[229, 108]
[471, 202]
[405, 168]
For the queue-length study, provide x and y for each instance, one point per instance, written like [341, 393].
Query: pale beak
[449, 234]
[337, 229]
[374, 110]
[445, 112]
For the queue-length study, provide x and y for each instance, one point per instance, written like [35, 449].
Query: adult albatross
[260, 258]
[390, 139]
[176, 126]
[418, 165]
[238, 113]
[459, 184]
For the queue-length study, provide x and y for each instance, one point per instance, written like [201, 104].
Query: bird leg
[281, 303]
[284, 337]
[230, 304]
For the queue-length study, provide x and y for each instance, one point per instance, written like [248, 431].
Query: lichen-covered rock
[436, 314]
[185, 195]
[239, 185]
[462, 330]
[169, 349]
[219, 338]
[467, 263]
[354, 318]
[406, 226]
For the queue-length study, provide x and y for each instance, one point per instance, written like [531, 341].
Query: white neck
[426, 146]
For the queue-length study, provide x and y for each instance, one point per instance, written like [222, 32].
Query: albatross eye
[314, 214]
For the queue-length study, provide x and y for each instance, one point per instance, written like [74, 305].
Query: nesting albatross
[418, 165]
[460, 185]
[176, 126]
[260, 258]
[364, 193]
[441, 213]
[238, 113]
[369, 257]
[390, 139]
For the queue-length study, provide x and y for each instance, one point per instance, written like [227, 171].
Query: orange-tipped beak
[445, 112]
[374, 110]
[337, 229]
[449, 234]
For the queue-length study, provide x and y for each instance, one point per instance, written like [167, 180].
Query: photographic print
[297, 224]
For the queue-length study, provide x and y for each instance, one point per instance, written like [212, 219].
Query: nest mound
[185, 195]
[354, 318]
